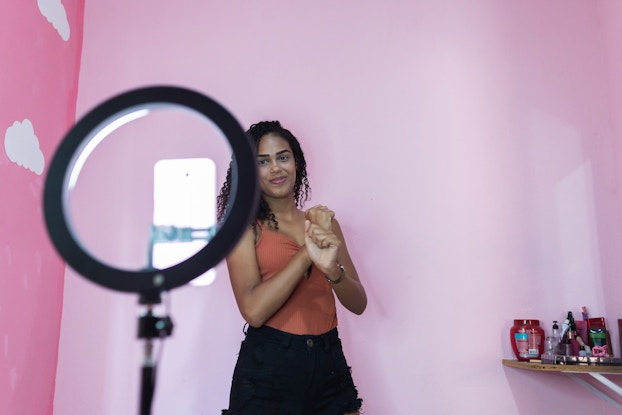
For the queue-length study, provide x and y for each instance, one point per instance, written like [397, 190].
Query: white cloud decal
[54, 11]
[22, 146]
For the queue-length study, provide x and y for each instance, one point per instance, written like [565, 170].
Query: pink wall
[469, 149]
[40, 54]
[610, 16]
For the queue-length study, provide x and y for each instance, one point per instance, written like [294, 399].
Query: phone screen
[185, 208]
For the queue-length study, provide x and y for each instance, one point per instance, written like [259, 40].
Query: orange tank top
[311, 307]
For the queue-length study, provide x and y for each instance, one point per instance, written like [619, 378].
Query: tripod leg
[148, 378]
[148, 386]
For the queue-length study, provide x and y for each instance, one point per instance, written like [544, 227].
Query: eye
[262, 162]
[283, 158]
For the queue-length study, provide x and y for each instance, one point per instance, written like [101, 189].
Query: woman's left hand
[322, 245]
[327, 248]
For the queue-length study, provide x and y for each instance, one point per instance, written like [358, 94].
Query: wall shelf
[562, 368]
[575, 371]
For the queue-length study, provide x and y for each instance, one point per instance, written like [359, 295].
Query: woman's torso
[311, 307]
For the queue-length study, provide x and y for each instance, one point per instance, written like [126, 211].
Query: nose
[274, 166]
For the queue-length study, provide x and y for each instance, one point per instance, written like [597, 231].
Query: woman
[285, 272]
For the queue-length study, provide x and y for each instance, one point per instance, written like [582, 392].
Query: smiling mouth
[278, 180]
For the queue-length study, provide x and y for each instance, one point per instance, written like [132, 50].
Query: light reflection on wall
[579, 256]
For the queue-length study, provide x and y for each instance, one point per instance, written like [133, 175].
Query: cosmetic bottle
[571, 347]
[551, 343]
[567, 344]
[527, 339]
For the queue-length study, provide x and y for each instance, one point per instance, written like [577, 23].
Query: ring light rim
[242, 202]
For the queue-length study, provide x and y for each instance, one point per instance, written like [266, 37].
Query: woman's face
[277, 167]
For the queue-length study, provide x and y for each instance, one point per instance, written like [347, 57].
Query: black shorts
[286, 374]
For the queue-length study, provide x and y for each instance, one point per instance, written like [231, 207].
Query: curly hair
[302, 190]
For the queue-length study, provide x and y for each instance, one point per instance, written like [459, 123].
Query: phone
[184, 211]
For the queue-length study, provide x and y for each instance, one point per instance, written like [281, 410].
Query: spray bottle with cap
[551, 342]
[570, 344]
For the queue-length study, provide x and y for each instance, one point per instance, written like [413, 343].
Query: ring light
[89, 131]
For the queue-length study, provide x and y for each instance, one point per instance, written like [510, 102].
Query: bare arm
[327, 248]
[350, 290]
[259, 300]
